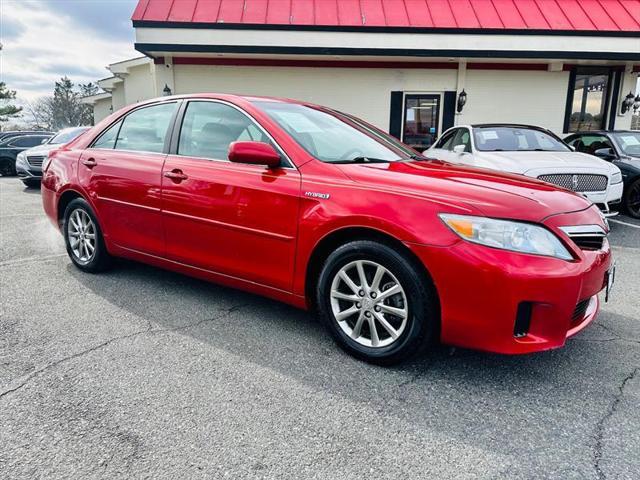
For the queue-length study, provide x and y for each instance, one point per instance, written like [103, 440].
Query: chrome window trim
[290, 166]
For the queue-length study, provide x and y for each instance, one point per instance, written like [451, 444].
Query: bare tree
[64, 108]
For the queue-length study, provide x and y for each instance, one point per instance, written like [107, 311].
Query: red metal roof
[564, 15]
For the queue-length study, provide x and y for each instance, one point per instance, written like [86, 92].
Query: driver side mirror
[459, 149]
[605, 153]
[254, 153]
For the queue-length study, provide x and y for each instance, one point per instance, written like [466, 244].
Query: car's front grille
[580, 311]
[586, 237]
[577, 182]
[594, 242]
[35, 160]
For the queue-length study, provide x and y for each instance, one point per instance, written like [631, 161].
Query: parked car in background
[11, 147]
[4, 136]
[534, 152]
[622, 148]
[309, 206]
[29, 162]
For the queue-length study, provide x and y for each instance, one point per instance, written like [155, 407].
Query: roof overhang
[109, 84]
[122, 68]
[161, 39]
[93, 99]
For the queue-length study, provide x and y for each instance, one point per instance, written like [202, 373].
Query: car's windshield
[329, 137]
[629, 142]
[66, 135]
[516, 139]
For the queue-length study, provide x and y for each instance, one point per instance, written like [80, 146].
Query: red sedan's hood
[473, 189]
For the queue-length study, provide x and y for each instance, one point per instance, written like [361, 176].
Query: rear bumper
[483, 291]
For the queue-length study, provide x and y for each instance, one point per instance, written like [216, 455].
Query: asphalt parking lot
[144, 373]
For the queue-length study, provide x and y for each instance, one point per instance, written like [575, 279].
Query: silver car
[29, 163]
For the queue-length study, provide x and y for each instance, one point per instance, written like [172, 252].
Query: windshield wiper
[363, 160]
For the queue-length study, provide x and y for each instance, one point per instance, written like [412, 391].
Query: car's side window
[590, 143]
[209, 128]
[446, 140]
[108, 137]
[26, 141]
[462, 137]
[145, 129]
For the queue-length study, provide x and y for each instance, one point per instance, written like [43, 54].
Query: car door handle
[176, 175]
[89, 162]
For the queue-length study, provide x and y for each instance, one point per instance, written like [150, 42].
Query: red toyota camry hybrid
[323, 211]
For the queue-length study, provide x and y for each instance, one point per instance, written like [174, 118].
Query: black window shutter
[448, 110]
[395, 115]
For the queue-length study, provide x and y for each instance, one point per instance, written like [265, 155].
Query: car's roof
[228, 97]
[603, 132]
[506, 125]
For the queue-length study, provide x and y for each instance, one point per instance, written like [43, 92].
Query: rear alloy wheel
[83, 237]
[632, 199]
[376, 303]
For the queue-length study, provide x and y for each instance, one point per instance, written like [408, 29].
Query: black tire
[8, 167]
[632, 199]
[423, 316]
[31, 182]
[99, 260]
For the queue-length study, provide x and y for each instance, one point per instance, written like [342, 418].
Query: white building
[400, 64]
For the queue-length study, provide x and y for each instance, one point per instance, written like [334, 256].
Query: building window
[590, 90]
[421, 120]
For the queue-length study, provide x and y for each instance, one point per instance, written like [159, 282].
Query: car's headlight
[507, 235]
[616, 177]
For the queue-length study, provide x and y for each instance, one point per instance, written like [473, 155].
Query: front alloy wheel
[377, 301]
[369, 303]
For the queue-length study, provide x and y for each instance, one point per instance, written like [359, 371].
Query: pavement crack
[34, 259]
[68, 358]
[148, 329]
[602, 423]
[226, 313]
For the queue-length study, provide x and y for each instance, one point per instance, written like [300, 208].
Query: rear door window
[108, 137]
[145, 130]
[27, 141]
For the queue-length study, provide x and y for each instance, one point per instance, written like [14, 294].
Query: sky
[44, 40]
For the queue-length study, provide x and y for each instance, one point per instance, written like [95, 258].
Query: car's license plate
[610, 278]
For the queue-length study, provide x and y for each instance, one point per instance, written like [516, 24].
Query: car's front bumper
[485, 293]
[26, 171]
[607, 201]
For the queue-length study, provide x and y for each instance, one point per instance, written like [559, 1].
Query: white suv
[534, 152]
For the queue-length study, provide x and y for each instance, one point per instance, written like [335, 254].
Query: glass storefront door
[590, 99]
[421, 120]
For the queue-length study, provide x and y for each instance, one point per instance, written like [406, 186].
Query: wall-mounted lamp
[636, 104]
[627, 103]
[111, 107]
[462, 100]
[166, 91]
